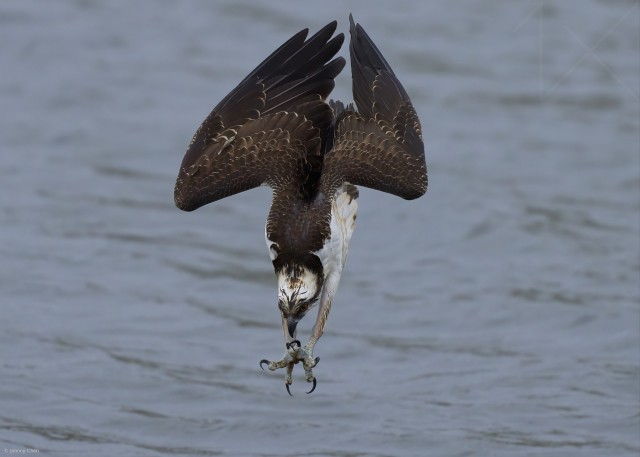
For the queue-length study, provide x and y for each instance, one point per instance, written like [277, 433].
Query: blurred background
[499, 315]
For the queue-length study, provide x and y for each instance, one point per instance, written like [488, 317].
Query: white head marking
[301, 288]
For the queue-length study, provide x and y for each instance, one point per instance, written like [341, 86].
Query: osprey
[276, 128]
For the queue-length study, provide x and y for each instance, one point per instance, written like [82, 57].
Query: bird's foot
[294, 354]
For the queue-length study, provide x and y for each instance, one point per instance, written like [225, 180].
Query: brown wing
[269, 129]
[381, 145]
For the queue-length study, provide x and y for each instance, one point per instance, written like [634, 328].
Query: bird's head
[298, 290]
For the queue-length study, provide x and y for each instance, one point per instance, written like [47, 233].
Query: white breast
[333, 254]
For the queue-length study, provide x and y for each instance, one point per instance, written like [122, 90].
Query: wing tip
[337, 65]
[183, 206]
[183, 195]
[415, 194]
[181, 203]
[333, 25]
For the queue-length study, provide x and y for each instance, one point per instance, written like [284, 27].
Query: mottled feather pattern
[381, 145]
[235, 149]
[364, 155]
[394, 113]
[274, 128]
[255, 155]
[298, 225]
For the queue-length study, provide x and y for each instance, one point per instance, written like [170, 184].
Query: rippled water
[497, 316]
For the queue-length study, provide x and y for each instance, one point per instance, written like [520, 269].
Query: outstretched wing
[379, 146]
[270, 129]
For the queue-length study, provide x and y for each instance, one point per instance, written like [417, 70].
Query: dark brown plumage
[274, 127]
[380, 146]
[269, 129]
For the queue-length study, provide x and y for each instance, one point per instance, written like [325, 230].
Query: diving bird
[277, 129]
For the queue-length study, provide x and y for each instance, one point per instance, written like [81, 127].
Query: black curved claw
[317, 360]
[314, 386]
[287, 386]
[264, 361]
[291, 343]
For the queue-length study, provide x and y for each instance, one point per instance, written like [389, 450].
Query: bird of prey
[277, 129]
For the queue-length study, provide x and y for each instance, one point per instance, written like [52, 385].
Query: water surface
[497, 316]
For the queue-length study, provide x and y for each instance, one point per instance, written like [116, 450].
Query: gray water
[497, 316]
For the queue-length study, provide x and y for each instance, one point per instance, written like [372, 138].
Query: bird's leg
[326, 299]
[292, 354]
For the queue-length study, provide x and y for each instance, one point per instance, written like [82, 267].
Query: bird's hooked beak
[291, 326]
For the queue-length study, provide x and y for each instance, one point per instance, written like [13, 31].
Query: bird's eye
[304, 307]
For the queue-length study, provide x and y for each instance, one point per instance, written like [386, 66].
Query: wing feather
[267, 130]
[380, 146]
